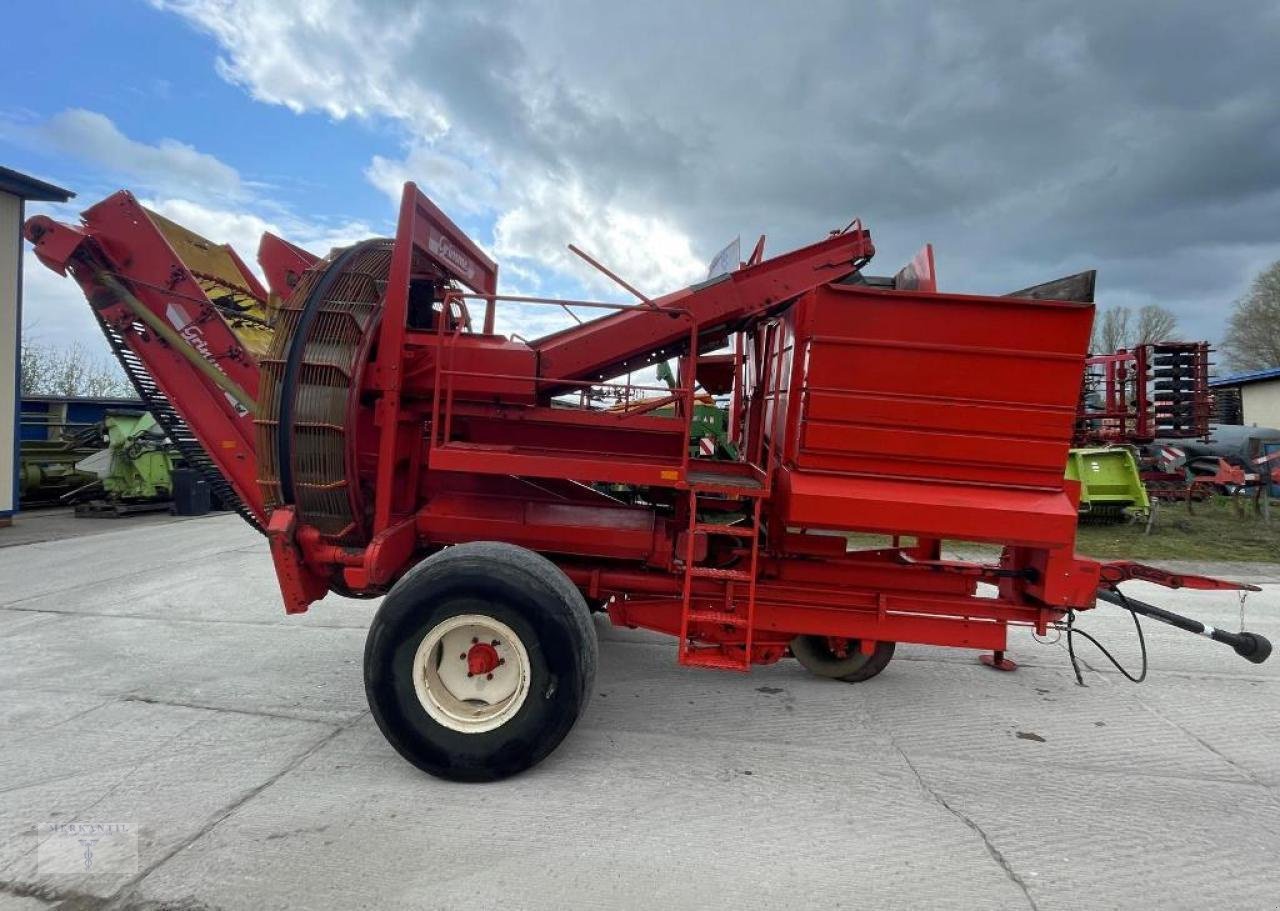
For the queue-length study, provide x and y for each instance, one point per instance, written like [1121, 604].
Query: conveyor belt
[175, 427]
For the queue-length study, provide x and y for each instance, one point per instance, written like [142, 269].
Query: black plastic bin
[190, 493]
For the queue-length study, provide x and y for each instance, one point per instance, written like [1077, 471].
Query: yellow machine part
[222, 277]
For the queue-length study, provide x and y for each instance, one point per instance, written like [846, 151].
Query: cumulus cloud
[488, 129]
[167, 165]
[1025, 140]
[243, 229]
[54, 311]
[327, 55]
[646, 250]
[460, 186]
[193, 188]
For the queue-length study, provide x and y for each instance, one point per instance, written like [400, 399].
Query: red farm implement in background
[1135, 396]
[362, 412]
[1156, 399]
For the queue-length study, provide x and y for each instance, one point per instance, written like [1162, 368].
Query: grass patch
[1214, 531]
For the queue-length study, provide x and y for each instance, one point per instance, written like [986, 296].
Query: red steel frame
[856, 409]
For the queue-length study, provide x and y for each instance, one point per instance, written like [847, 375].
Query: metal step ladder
[737, 610]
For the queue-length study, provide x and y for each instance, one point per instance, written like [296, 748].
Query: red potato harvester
[363, 414]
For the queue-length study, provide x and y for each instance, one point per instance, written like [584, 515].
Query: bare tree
[37, 366]
[72, 370]
[1155, 324]
[1116, 328]
[1253, 331]
[1112, 331]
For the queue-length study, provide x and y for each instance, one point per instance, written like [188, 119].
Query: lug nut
[463, 656]
[494, 643]
[474, 640]
[488, 676]
[502, 660]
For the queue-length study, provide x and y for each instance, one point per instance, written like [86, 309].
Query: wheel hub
[471, 673]
[482, 658]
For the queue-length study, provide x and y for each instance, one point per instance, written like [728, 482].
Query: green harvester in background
[1109, 482]
[133, 474]
[47, 468]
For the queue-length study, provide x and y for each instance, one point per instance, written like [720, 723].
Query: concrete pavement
[151, 681]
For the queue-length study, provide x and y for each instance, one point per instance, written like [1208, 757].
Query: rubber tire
[525, 591]
[813, 653]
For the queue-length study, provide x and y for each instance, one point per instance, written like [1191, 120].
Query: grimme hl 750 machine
[361, 412]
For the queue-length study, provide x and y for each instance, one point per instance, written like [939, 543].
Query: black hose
[1142, 643]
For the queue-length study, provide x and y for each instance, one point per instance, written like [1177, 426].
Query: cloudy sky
[1025, 140]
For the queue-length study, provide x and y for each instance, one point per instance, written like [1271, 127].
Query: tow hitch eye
[1249, 646]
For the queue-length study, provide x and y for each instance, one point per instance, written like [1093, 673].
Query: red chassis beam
[614, 551]
[873, 600]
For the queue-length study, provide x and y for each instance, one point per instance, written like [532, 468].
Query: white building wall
[10, 276]
[1260, 402]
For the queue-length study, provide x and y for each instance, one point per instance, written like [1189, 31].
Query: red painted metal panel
[555, 464]
[781, 624]
[604, 531]
[897, 506]
[941, 387]
[919, 274]
[283, 263]
[599, 434]
[716, 372]
[484, 367]
[934, 415]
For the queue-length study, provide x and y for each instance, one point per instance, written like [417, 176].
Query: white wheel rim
[471, 673]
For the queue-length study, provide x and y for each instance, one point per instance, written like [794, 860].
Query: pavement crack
[78, 715]
[151, 700]
[131, 770]
[49, 895]
[125, 894]
[992, 850]
[155, 618]
[75, 900]
[1242, 770]
[104, 582]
